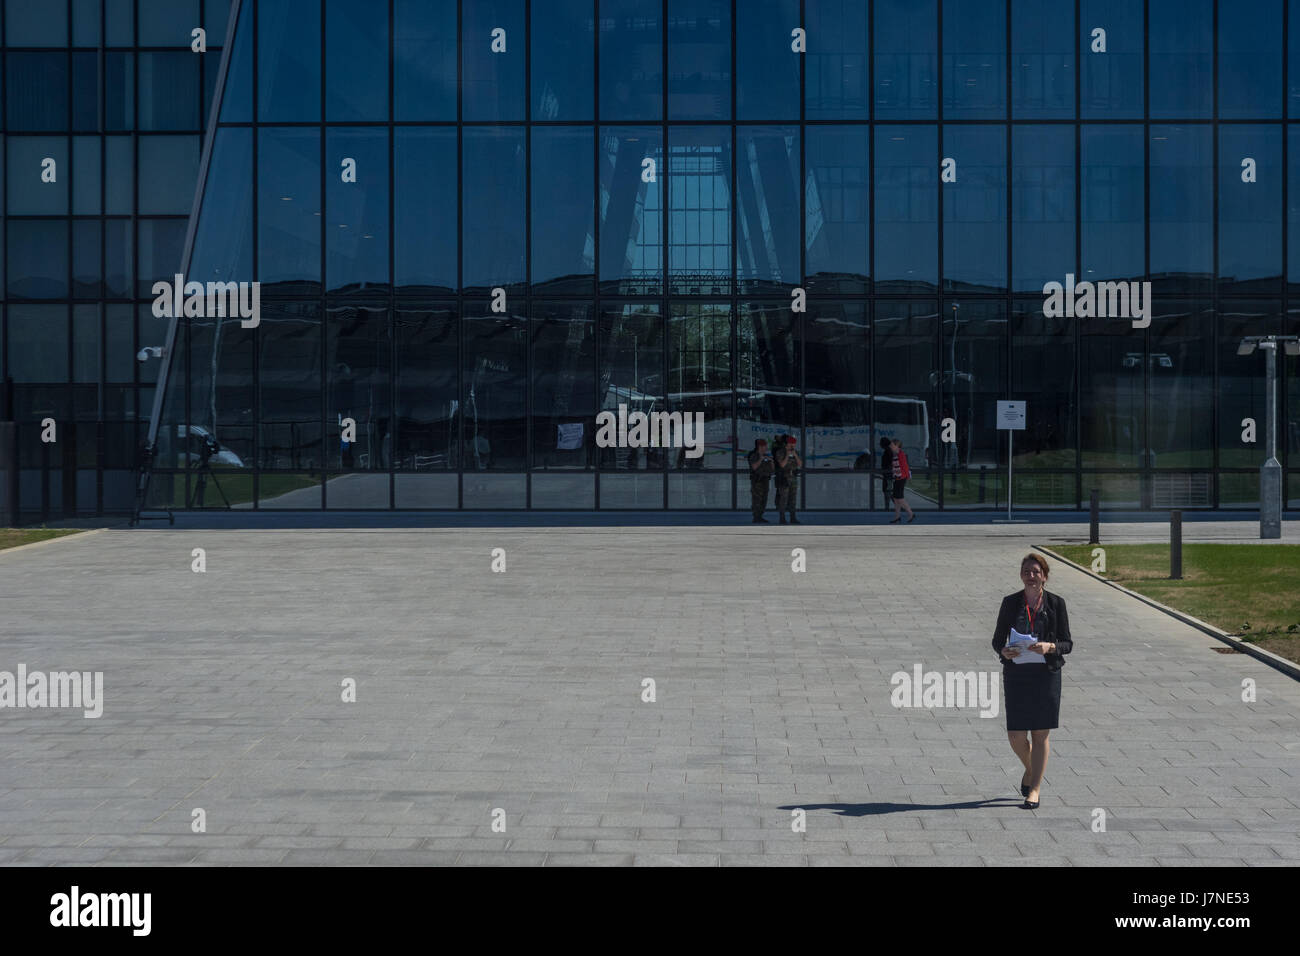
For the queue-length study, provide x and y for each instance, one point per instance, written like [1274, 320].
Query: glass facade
[477, 226]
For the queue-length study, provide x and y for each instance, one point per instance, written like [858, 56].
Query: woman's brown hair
[1039, 560]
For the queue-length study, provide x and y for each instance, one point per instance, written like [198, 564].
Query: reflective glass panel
[493, 392]
[494, 240]
[493, 42]
[631, 210]
[562, 57]
[356, 61]
[168, 85]
[223, 241]
[1250, 208]
[837, 376]
[1112, 386]
[424, 59]
[1182, 207]
[699, 209]
[1181, 369]
[906, 402]
[699, 59]
[425, 216]
[767, 209]
[699, 387]
[1181, 41]
[837, 80]
[36, 91]
[1250, 59]
[907, 76]
[288, 61]
[291, 438]
[564, 385]
[1042, 59]
[1043, 376]
[974, 60]
[631, 60]
[1111, 42]
[975, 210]
[1042, 198]
[288, 203]
[1112, 207]
[631, 374]
[167, 171]
[30, 193]
[767, 69]
[356, 213]
[907, 208]
[427, 387]
[37, 263]
[358, 361]
[838, 228]
[563, 219]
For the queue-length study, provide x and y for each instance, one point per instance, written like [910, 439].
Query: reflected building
[478, 225]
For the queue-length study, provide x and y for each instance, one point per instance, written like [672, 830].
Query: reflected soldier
[760, 475]
[788, 463]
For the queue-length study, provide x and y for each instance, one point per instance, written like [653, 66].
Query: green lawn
[13, 537]
[1252, 591]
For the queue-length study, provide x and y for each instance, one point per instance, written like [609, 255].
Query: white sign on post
[1011, 417]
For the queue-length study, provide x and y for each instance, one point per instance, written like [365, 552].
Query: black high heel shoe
[1024, 788]
[1029, 804]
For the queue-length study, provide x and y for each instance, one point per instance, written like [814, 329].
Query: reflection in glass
[168, 167]
[223, 241]
[974, 60]
[769, 374]
[1243, 391]
[1110, 83]
[356, 213]
[1112, 203]
[425, 255]
[1112, 386]
[1181, 370]
[358, 349]
[1182, 212]
[562, 59]
[288, 206]
[38, 342]
[907, 208]
[906, 39]
[838, 230]
[699, 59]
[1042, 60]
[631, 373]
[699, 383]
[699, 209]
[1042, 195]
[288, 61]
[37, 263]
[1250, 213]
[837, 340]
[494, 242]
[837, 81]
[425, 56]
[1043, 375]
[492, 82]
[631, 60]
[906, 403]
[563, 220]
[564, 386]
[427, 389]
[27, 194]
[767, 212]
[493, 392]
[631, 211]
[1250, 59]
[36, 91]
[161, 243]
[975, 210]
[237, 100]
[168, 91]
[289, 386]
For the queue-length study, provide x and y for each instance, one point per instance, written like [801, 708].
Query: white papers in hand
[1022, 641]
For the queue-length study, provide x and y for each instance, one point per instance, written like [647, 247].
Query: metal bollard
[1094, 519]
[1175, 545]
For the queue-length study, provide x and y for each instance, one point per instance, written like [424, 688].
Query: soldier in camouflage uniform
[760, 474]
[787, 463]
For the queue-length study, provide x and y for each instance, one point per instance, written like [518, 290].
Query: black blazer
[1057, 631]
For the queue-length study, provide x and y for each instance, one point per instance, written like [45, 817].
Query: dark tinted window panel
[119, 343]
[767, 208]
[288, 203]
[631, 210]
[36, 91]
[169, 91]
[906, 395]
[838, 228]
[1180, 368]
[427, 388]
[1043, 366]
[974, 60]
[1293, 207]
[35, 24]
[169, 22]
[493, 392]
[769, 373]
[86, 184]
[974, 356]
[493, 236]
[85, 91]
[1111, 55]
[699, 59]
[837, 76]
[631, 372]
[38, 342]
[237, 100]
[359, 343]
[159, 245]
[1112, 203]
[289, 352]
[699, 210]
[563, 59]
[907, 43]
[223, 240]
[631, 60]
[356, 61]
[1042, 59]
[1250, 60]
[1293, 59]
[1181, 41]
[424, 59]
[1182, 210]
[975, 209]
[86, 268]
[425, 252]
[119, 91]
[119, 260]
[38, 259]
[85, 22]
[29, 192]
[837, 378]
[564, 385]
[699, 383]
[563, 219]
[1042, 196]
[1250, 213]
[767, 69]
[288, 61]
[168, 169]
[356, 213]
[86, 348]
[493, 81]
[906, 208]
[216, 17]
[119, 175]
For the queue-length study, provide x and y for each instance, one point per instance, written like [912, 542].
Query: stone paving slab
[522, 691]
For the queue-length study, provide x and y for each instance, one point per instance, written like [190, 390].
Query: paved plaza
[522, 691]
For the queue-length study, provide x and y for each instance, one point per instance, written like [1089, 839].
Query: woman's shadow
[875, 809]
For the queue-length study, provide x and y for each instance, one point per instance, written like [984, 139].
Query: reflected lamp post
[1270, 473]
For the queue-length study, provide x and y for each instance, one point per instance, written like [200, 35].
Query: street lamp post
[1270, 473]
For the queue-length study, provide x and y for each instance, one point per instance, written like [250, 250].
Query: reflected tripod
[210, 448]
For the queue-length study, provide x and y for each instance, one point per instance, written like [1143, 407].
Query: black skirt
[1033, 696]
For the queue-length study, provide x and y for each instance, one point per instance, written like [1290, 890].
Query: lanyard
[1030, 612]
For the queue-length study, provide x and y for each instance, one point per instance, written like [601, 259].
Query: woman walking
[1032, 637]
[901, 473]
